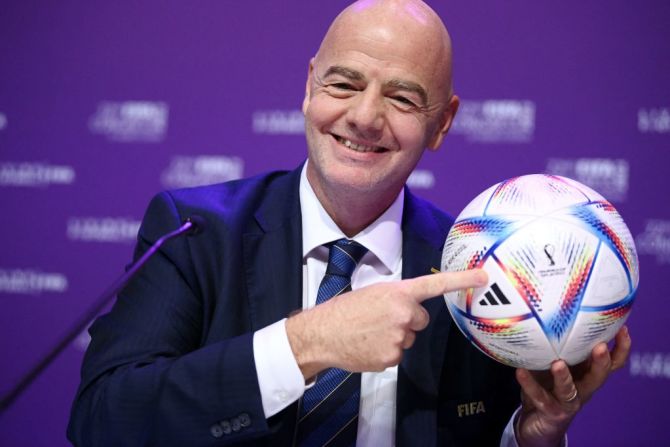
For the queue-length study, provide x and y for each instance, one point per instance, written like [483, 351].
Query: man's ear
[305, 101]
[445, 124]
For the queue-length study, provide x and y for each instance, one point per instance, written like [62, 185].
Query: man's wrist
[302, 340]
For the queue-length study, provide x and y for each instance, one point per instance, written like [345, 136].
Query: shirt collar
[383, 237]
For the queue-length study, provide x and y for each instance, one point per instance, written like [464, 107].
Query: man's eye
[404, 100]
[342, 86]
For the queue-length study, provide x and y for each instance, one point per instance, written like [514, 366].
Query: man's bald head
[407, 23]
[378, 94]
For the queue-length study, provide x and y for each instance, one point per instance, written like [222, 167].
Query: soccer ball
[562, 266]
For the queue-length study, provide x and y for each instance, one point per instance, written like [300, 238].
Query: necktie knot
[344, 256]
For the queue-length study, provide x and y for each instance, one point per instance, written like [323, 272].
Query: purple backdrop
[102, 104]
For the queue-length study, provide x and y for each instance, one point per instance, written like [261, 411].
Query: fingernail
[601, 350]
[558, 366]
[482, 278]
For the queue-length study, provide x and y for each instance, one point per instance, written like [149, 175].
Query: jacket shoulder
[425, 218]
[230, 203]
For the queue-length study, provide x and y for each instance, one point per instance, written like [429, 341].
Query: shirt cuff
[279, 377]
[509, 437]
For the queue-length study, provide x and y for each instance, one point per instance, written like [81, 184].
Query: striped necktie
[329, 410]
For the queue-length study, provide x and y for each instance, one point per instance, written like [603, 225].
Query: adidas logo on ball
[489, 298]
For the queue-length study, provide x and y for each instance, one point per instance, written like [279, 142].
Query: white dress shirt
[279, 377]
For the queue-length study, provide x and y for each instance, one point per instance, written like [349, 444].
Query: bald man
[200, 348]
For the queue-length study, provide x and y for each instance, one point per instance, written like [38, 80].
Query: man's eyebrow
[410, 87]
[344, 71]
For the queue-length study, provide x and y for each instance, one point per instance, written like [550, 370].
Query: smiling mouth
[358, 147]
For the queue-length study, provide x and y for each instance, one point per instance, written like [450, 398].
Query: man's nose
[366, 114]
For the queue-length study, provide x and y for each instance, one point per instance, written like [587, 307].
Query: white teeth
[358, 147]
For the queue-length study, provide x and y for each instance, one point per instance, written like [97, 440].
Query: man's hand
[368, 329]
[551, 399]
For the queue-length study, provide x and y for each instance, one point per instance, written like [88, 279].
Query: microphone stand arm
[89, 315]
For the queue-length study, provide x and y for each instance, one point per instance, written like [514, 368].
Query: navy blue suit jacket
[172, 363]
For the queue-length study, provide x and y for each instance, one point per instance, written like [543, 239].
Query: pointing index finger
[436, 284]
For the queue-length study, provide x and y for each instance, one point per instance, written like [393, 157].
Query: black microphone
[191, 226]
[198, 225]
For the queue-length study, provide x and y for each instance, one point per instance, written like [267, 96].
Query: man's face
[375, 100]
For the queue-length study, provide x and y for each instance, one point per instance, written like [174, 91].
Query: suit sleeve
[148, 376]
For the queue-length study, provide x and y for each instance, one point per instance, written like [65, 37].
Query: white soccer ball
[562, 266]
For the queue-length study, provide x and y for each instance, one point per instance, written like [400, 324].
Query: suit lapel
[272, 250]
[273, 253]
[419, 372]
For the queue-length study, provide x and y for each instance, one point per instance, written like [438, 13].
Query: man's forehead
[368, 53]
